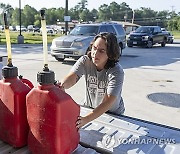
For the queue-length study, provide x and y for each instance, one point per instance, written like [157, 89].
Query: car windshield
[84, 30]
[144, 30]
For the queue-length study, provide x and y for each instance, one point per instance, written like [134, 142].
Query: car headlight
[145, 38]
[77, 44]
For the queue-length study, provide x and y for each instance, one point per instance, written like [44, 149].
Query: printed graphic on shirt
[95, 86]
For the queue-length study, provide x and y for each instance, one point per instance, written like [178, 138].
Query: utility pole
[20, 38]
[133, 16]
[66, 14]
[20, 16]
[172, 8]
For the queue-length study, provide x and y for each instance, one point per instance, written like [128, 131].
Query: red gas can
[52, 116]
[13, 120]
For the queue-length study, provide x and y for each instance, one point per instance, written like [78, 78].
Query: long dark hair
[113, 49]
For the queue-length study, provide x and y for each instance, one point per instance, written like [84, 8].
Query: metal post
[133, 17]
[20, 15]
[66, 14]
[20, 37]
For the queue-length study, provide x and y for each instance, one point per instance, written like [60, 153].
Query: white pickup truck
[119, 135]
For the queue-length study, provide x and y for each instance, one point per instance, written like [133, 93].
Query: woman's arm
[76, 72]
[69, 81]
[106, 104]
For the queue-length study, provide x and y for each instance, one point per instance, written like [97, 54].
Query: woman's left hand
[81, 121]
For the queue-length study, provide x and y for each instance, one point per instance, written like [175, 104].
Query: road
[151, 89]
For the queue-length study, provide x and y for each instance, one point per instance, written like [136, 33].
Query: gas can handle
[58, 84]
[26, 81]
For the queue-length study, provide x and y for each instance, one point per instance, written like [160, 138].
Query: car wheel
[149, 44]
[59, 59]
[163, 43]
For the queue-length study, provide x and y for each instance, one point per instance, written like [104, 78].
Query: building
[128, 27]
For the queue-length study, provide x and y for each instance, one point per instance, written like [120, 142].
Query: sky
[157, 5]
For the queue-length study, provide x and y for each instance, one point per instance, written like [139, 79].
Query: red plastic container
[52, 116]
[13, 120]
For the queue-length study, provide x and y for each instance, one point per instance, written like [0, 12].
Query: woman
[104, 78]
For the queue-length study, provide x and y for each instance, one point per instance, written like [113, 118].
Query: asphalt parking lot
[151, 88]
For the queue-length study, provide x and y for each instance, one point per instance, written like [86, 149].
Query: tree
[83, 15]
[86, 16]
[94, 13]
[104, 13]
[145, 16]
[174, 23]
[125, 12]
[74, 13]
[60, 14]
[15, 17]
[51, 16]
[178, 23]
[37, 21]
[29, 15]
[162, 16]
[114, 9]
[82, 5]
[77, 13]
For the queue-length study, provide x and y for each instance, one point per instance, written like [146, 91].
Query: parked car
[147, 36]
[170, 37]
[33, 28]
[1, 27]
[23, 28]
[48, 29]
[77, 42]
[12, 28]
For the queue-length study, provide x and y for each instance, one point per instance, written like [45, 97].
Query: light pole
[66, 14]
[20, 16]
[133, 16]
[20, 37]
[6, 10]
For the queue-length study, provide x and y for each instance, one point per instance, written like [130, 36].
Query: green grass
[29, 38]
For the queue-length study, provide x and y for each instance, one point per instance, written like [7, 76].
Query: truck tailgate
[119, 134]
[123, 134]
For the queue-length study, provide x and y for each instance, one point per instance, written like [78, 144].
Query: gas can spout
[8, 71]
[44, 36]
[46, 76]
[8, 43]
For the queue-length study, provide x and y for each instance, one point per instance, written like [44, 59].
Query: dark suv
[77, 42]
[147, 36]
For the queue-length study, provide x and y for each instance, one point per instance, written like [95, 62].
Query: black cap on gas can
[9, 72]
[46, 77]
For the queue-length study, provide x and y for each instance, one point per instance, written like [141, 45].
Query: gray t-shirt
[98, 83]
